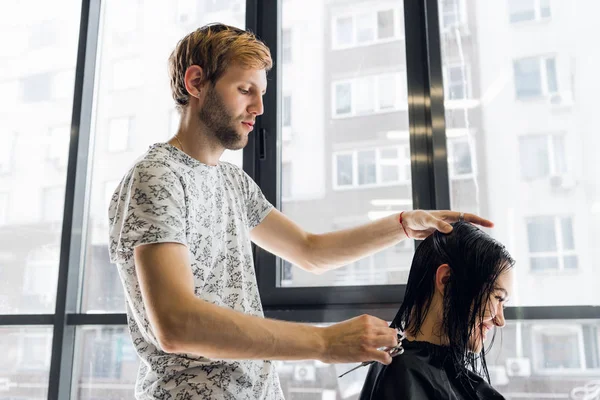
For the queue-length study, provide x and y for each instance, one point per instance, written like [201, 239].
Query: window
[558, 348]
[3, 208]
[372, 167]
[460, 162]
[369, 94]
[286, 46]
[119, 133]
[551, 243]
[287, 111]
[367, 27]
[457, 82]
[58, 147]
[120, 116]
[535, 76]
[452, 13]
[126, 74]
[22, 379]
[542, 156]
[528, 10]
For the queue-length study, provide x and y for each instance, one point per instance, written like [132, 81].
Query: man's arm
[318, 253]
[183, 323]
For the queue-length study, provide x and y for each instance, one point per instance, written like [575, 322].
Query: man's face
[231, 106]
[494, 311]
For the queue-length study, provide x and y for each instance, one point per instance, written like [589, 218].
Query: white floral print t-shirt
[168, 196]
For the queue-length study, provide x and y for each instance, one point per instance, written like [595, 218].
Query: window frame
[537, 11]
[560, 252]
[545, 90]
[373, 14]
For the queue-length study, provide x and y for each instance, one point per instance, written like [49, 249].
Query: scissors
[392, 351]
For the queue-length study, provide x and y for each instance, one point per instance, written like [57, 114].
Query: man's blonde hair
[214, 47]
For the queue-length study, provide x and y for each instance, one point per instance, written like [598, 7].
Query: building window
[542, 156]
[287, 111]
[366, 28]
[535, 76]
[551, 243]
[457, 84]
[3, 208]
[558, 348]
[286, 46]
[372, 167]
[370, 94]
[528, 10]
[58, 147]
[453, 13]
[119, 133]
[126, 74]
[460, 161]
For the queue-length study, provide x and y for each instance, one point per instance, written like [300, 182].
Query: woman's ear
[442, 276]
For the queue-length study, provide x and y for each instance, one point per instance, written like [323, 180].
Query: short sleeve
[257, 205]
[147, 207]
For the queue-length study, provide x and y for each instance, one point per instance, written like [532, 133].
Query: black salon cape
[424, 372]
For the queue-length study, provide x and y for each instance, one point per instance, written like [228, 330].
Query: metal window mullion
[74, 220]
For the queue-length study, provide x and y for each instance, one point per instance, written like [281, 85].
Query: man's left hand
[419, 224]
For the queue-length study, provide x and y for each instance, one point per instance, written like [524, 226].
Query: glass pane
[344, 34]
[541, 234]
[461, 158]
[346, 125]
[528, 81]
[26, 353]
[38, 50]
[538, 176]
[366, 167]
[107, 364]
[344, 169]
[385, 24]
[535, 160]
[364, 97]
[343, 98]
[551, 75]
[521, 10]
[133, 67]
[365, 30]
[560, 161]
[545, 10]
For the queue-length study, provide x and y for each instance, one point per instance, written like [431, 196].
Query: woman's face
[494, 310]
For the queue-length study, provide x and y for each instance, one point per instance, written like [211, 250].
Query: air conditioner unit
[560, 100]
[305, 373]
[565, 182]
[518, 367]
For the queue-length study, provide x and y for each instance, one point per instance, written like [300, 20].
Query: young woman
[457, 289]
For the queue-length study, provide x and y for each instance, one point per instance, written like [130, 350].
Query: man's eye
[243, 91]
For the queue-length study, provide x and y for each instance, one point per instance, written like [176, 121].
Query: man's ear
[442, 276]
[194, 79]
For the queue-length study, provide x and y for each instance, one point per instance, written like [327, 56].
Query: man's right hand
[357, 340]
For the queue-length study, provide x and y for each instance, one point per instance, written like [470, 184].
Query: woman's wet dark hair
[476, 261]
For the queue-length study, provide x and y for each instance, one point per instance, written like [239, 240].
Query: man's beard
[217, 119]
